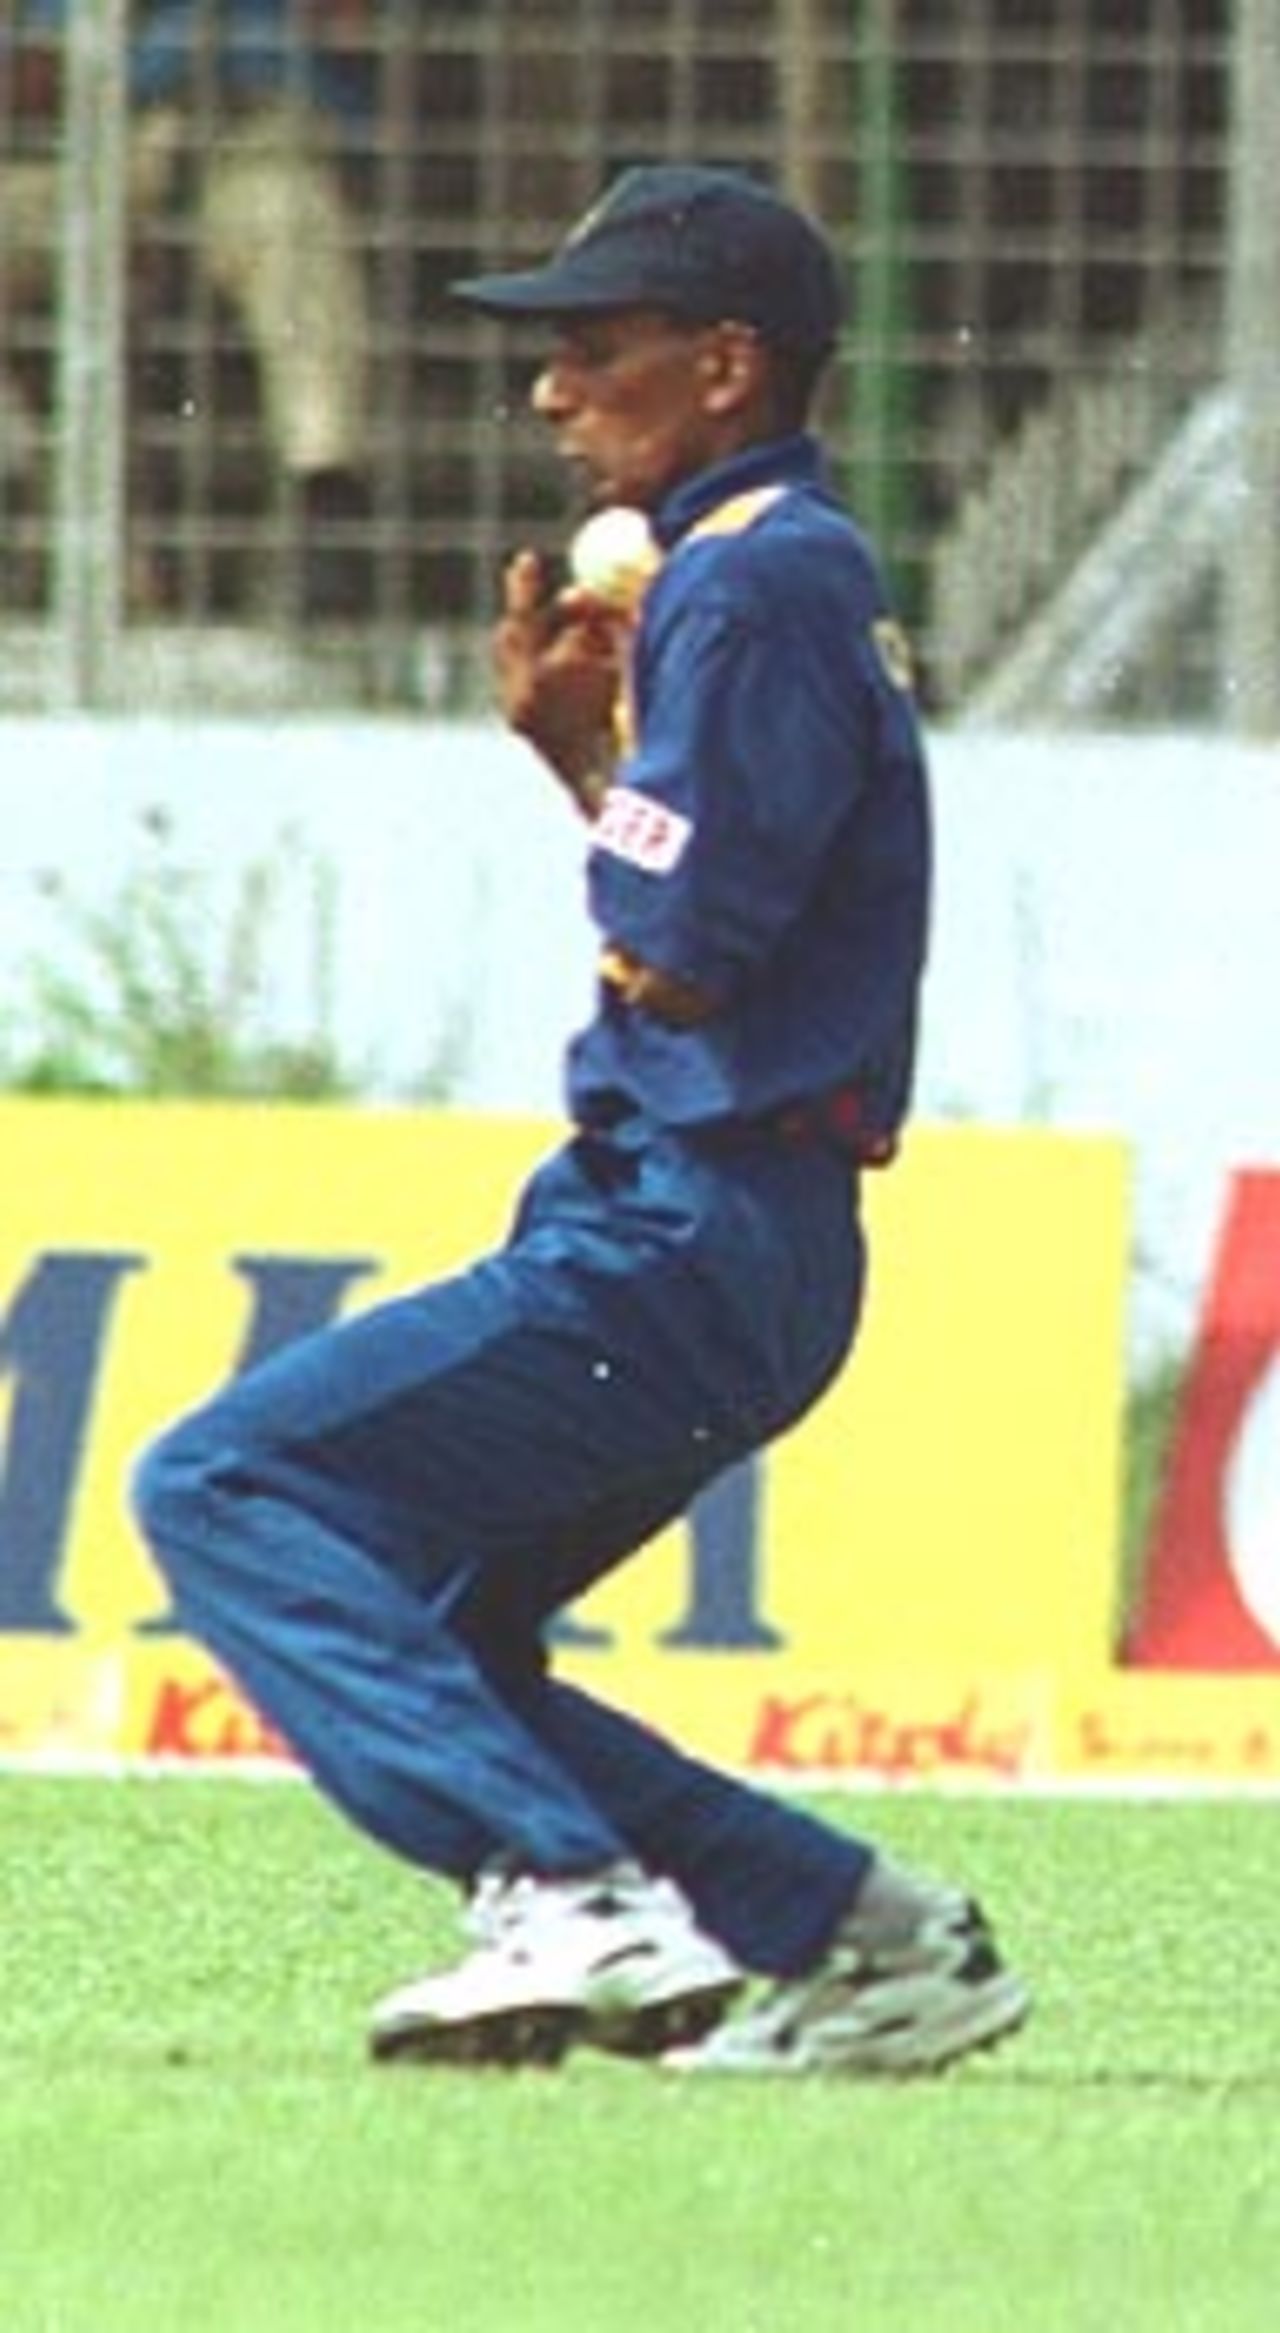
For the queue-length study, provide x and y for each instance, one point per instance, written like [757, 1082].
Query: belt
[838, 1119]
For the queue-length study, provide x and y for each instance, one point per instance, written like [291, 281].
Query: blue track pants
[372, 1528]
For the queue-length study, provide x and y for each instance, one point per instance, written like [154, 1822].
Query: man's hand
[678, 1004]
[558, 661]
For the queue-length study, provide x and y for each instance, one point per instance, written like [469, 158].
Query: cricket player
[373, 1529]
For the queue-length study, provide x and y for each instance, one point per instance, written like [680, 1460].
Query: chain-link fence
[250, 454]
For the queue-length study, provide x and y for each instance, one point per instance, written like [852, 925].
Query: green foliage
[160, 992]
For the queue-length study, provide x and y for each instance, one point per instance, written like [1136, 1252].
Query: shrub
[160, 992]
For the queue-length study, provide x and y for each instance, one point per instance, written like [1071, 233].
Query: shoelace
[495, 1906]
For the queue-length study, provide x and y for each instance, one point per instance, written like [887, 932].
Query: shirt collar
[781, 461]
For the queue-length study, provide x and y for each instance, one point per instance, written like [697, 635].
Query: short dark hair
[795, 376]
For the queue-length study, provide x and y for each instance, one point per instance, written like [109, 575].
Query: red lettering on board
[1107, 1745]
[837, 1733]
[208, 1719]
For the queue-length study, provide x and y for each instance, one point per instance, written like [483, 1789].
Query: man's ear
[734, 365]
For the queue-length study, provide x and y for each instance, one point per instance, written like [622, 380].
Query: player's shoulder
[738, 515]
[783, 543]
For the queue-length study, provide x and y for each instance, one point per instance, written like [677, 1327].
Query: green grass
[191, 2142]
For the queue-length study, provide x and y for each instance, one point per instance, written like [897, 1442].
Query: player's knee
[170, 1493]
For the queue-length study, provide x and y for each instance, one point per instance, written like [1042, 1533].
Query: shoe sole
[543, 2036]
[506, 2038]
[659, 2026]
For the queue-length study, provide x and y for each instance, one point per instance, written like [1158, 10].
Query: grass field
[191, 2142]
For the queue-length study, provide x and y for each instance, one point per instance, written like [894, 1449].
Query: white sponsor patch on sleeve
[643, 832]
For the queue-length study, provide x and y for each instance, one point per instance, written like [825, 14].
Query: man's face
[635, 400]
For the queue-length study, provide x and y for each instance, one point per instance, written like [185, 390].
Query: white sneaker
[877, 2010]
[615, 1960]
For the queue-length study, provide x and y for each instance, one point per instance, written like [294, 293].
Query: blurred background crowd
[248, 451]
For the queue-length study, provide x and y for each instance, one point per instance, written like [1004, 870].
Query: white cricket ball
[614, 555]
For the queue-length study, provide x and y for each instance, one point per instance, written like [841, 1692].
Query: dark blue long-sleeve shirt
[767, 837]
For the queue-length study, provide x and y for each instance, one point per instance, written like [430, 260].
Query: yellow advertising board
[917, 1583]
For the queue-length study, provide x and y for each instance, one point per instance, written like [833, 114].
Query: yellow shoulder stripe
[737, 514]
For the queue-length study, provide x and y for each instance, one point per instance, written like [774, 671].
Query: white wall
[1108, 954]
[1107, 945]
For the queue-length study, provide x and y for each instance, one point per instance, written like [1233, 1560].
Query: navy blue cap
[707, 245]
